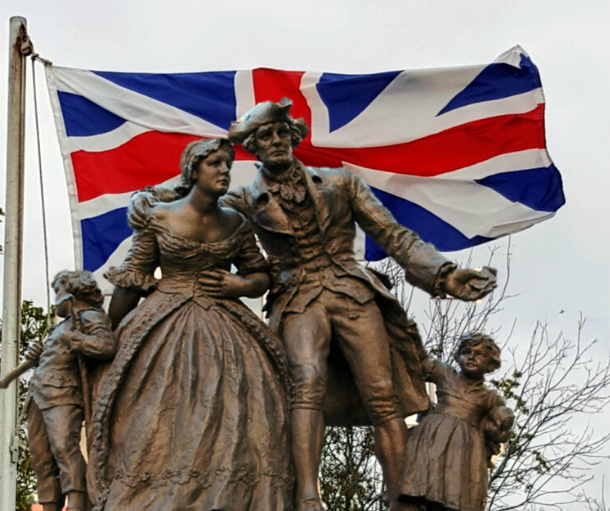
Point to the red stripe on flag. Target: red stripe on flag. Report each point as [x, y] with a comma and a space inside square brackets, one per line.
[145, 160]
[442, 152]
[153, 157]
[273, 85]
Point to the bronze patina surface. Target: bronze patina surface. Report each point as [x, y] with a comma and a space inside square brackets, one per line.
[352, 354]
[193, 411]
[63, 388]
[323, 301]
[449, 451]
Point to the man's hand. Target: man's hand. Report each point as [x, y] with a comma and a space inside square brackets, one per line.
[492, 428]
[223, 284]
[143, 201]
[139, 209]
[496, 432]
[470, 285]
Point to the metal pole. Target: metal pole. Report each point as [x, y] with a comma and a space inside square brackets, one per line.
[11, 310]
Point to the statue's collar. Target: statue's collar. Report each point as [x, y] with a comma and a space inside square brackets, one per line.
[294, 173]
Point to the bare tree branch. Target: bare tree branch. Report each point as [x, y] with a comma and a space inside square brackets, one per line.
[551, 381]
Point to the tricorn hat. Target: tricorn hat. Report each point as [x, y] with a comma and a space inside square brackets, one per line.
[264, 113]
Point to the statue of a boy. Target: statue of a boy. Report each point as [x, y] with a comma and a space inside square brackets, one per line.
[58, 395]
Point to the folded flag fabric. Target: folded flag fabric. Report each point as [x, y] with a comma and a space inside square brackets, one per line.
[457, 154]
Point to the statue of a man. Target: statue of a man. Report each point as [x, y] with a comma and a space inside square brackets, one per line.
[305, 219]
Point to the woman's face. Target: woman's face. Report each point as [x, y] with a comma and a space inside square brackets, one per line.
[213, 173]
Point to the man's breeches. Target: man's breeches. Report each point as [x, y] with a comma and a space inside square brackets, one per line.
[54, 438]
[360, 331]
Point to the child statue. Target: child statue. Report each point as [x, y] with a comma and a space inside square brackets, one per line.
[59, 395]
[449, 451]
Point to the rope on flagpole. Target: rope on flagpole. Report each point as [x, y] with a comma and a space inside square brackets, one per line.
[42, 194]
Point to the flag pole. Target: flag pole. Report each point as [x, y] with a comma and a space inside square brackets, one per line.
[11, 310]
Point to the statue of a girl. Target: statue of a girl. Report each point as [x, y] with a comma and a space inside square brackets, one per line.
[447, 453]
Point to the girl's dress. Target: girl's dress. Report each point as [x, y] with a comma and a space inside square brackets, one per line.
[192, 413]
[445, 458]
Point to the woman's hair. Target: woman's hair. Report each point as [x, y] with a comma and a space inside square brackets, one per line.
[192, 155]
[80, 284]
[480, 339]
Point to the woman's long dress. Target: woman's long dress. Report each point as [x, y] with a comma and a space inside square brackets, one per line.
[446, 461]
[192, 414]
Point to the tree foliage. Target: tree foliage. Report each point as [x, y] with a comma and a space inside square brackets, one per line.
[35, 324]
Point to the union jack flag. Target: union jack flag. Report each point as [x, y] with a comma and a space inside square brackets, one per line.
[457, 154]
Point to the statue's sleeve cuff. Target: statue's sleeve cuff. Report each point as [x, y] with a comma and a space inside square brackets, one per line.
[439, 283]
[130, 278]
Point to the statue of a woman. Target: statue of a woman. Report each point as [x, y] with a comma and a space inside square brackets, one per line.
[192, 412]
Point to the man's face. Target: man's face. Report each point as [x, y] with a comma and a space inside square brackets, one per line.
[273, 145]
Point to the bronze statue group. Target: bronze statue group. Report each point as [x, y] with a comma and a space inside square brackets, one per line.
[192, 403]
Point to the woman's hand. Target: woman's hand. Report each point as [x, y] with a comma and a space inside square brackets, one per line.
[224, 284]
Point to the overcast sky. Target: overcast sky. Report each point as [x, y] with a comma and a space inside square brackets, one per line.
[559, 268]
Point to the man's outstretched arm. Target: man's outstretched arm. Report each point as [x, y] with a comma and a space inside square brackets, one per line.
[424, 266]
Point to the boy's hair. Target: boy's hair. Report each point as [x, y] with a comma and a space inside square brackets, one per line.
[478, 339]
[81, 285]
